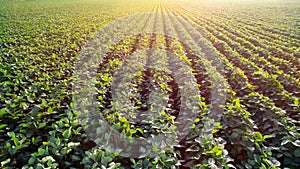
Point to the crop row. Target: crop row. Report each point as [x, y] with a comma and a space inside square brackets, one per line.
[245, 59]
[289, 53]
[249, 95]
[39, 48]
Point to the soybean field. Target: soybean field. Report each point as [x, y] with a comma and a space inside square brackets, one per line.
[150, 84]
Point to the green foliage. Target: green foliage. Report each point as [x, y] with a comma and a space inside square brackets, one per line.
[257, 70]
